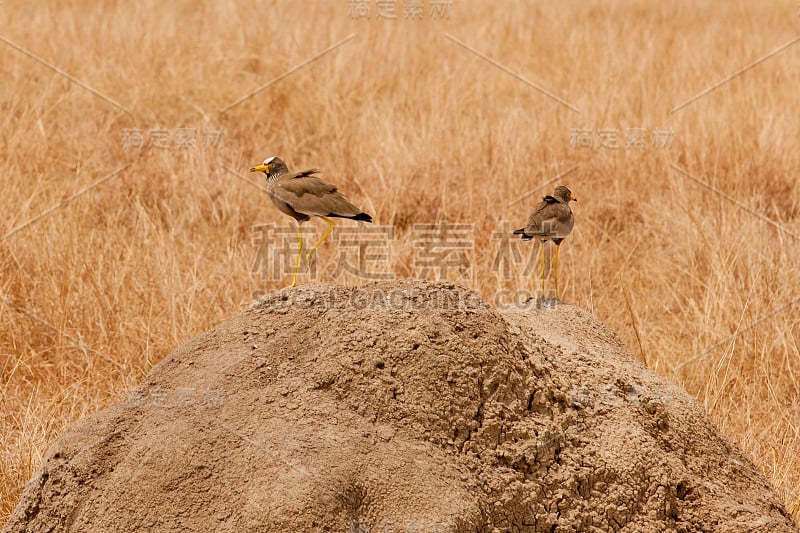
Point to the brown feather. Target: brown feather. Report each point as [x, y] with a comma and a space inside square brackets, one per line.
[309, 196]
[551, 218]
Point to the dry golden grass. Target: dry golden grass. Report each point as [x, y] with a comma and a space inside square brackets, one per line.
[415, 129]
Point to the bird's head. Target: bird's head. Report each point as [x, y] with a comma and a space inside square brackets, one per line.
[563, 194]
[272, 167]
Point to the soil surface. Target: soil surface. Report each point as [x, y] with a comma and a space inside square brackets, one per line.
[400, 406]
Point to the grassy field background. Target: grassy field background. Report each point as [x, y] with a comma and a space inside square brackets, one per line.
[689, 249]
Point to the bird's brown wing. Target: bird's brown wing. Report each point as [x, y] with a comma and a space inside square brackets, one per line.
[549, 219]
[310, 195]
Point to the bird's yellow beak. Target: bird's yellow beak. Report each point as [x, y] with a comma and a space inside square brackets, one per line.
[260, 168]
[572, 198]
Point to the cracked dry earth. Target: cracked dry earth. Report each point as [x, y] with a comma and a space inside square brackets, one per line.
[402, 406]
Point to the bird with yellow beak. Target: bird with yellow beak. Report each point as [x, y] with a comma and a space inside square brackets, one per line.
[550, 220]
[302, 195]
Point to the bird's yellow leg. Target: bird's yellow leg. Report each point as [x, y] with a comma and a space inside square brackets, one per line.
[555, 269]
[542, 255]
[299, 252]
[331, 225]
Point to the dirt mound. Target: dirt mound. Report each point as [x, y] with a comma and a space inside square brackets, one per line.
[405, 406]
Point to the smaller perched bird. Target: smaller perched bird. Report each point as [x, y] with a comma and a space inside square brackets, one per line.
[550, 220]
[303, 195]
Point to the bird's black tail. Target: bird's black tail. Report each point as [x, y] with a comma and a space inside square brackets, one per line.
[521, 231]
[361, 216]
